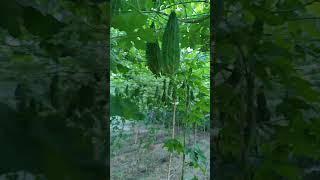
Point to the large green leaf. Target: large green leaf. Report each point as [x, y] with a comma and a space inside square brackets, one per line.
[10, 17]
[128, 22]
[124, 107]
[174, 145]
[43, 25]
[314, 8]
[302, 88]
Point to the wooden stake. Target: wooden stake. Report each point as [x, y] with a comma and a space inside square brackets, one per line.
[173, 134]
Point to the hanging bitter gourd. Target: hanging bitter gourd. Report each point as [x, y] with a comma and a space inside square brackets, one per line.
[164, 94]
[53, 91]
[153, 55]
[156, 94]
[170, 63]
[127, 90]
[21, 97]
[86, 95]
[170, 87]
[191, 95]
[187, 95]
[170, 46]
[173, 95]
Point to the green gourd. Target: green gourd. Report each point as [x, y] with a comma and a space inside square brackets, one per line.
[153, 56]
[170, 47]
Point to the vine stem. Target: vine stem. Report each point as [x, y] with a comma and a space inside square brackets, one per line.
[183, 3]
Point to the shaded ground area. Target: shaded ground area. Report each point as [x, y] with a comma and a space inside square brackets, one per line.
[147, 159]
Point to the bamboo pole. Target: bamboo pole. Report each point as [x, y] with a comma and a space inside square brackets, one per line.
[173, 134]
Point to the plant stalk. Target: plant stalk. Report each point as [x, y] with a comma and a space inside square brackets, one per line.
[136, 134]
[184, 134]
[173, 134]
[183, 155]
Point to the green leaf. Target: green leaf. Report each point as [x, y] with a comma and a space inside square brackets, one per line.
[173, 145]
[312, 28]
[302, 88]
[289, 171]
[128, 22]
[194, 178]
[248, 16]
[122, 69]
[10, 14]
[314, 8]
[147, 35]
[124, 107]
[270, 18]
[43, 25]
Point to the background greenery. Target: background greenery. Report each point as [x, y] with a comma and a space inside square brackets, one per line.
[53, 89]
[266, 90]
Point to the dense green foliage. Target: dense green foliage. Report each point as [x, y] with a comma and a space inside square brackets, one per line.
[266, 90]
[128, 45]
[53, 88]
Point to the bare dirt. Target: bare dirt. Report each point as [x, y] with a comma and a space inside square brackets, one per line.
[148, 160]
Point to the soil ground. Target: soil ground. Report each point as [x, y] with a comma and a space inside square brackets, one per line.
[149, 161]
